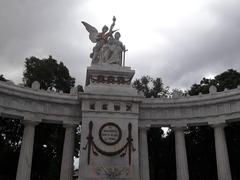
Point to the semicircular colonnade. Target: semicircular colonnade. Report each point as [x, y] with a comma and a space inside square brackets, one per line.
[34, 105]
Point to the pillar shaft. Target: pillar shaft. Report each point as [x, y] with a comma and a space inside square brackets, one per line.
[143, 148]
[223, 166]
[181, 155]
[26, 152]
[68, 154]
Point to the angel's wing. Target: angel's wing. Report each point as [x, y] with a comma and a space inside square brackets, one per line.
[93, 32]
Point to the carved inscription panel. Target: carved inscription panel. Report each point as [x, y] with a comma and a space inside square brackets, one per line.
[110, 133]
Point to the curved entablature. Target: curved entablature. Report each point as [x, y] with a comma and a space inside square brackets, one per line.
[39, 105]
[216, 107]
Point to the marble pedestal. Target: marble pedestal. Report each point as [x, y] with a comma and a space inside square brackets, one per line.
[109, 138]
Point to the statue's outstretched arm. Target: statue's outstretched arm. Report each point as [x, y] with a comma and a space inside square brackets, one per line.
[113, 24]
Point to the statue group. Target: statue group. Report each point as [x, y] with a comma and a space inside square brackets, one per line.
[108, 49]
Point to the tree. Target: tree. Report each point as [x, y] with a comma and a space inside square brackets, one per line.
[233, 143]
[200, 140]
[161, 151]
[47, 152]
[2, 78]
[151, 87]
[48, 137]
[48, 73]
[10, 141]
[201, 153]
[229, 79]
[177, 92]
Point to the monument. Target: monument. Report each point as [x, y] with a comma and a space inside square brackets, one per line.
[115, 118]
[110, 107]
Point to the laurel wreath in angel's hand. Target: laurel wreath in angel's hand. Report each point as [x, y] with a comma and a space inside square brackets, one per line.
[93, 32]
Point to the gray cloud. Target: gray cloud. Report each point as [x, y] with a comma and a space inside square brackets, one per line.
[202, 52]
[38, 28]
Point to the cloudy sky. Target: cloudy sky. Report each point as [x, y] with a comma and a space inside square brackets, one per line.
[180, 41]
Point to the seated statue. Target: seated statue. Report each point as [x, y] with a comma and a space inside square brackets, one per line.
[108, 49]
[116, 48]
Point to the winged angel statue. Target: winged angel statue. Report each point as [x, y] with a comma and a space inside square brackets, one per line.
[108, 48]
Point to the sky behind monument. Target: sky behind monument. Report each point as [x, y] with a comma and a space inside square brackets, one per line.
[179, 41]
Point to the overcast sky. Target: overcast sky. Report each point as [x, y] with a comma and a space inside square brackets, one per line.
[180, 41]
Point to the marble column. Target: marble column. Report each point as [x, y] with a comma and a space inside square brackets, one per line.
[223, 166]
[68, 153]
[143, 152]
[26, 152]
[181, 155]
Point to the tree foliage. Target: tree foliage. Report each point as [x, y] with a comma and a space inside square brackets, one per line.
[200, 140]
[48, 137]
[48, 147]
[151, 87]
[10, 142]
[201, 153]
[161, 151]
[233, 142]
[2, 78]
[229, 79]
[49, 73]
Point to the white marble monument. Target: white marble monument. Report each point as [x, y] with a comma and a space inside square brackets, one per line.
[110, 106]
[115, 118]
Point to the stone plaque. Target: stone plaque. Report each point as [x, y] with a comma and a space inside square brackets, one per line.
[110, 133]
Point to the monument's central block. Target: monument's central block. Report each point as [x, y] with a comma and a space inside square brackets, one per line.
[110, 74]
[110, 109]
[110, 79]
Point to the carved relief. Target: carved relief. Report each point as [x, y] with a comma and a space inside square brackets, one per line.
[91, 146]
[109, 80]
[112, 172]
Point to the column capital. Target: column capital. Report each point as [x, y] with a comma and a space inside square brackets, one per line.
[30, 123]
[65, 125]
[178, 128]
[143, 128]
[215, 125]
[32, 117]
